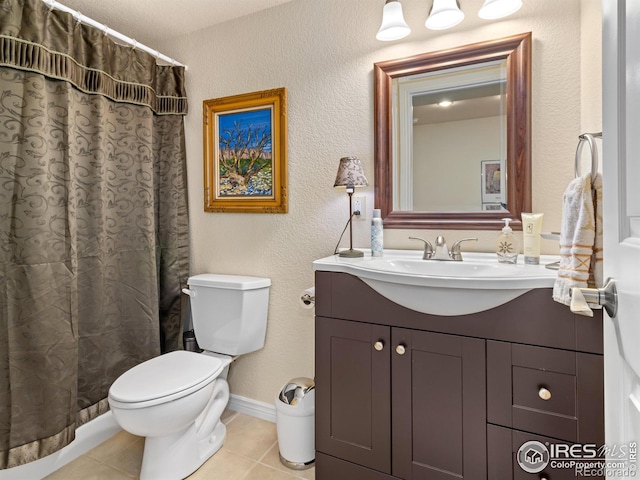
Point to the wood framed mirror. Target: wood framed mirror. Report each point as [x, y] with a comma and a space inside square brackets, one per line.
[447, 71]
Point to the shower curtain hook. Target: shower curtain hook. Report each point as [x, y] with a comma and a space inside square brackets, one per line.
[77, 16]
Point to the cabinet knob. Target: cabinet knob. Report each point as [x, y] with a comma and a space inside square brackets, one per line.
[544, 394]
[544, 477]
[401, 349]
[379, 345]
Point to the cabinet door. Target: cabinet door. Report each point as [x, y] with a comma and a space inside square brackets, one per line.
[353, 392]
[439, 406]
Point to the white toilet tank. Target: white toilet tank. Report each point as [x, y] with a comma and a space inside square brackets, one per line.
[229, 312]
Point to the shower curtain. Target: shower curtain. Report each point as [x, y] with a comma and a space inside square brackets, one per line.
[93, 221]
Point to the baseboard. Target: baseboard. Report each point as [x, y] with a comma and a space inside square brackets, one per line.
[89, 435]
[254, 408]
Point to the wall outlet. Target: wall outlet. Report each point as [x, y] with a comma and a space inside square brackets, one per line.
[359, 205]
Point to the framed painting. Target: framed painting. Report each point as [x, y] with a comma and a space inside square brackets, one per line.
[245, 153]
[491, 181]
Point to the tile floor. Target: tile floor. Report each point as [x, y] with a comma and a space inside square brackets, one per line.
[250, 452]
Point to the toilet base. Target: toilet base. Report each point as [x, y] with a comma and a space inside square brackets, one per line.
[173, 457]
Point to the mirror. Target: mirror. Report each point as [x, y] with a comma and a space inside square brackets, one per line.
[463, 167]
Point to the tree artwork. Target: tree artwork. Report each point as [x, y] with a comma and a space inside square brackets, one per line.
[245, 153]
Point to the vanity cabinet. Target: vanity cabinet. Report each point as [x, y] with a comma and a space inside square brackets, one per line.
[406, 395]
[435, 383]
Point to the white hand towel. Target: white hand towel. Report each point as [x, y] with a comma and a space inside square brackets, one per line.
[580, 253]
[597, 280]
[578, 303]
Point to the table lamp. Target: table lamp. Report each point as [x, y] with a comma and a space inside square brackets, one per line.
[350, 175]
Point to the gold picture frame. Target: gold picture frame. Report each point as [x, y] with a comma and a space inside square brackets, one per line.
[245, 153]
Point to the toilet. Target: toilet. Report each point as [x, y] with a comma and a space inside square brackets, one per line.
[175, 400]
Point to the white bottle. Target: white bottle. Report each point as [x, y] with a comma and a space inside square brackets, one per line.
[376, 233]
[507, 244]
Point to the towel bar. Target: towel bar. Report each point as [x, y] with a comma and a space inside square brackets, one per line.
[589, 138]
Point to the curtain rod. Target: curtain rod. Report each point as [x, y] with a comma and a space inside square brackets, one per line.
[112, 33]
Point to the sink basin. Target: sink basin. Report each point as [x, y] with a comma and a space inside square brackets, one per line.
[443, 269]
[476, 284]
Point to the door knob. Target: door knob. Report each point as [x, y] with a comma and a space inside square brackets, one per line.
[401, 349]
[379, 345]
[606, 296]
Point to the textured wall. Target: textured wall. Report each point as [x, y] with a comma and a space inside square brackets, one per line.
[323, 53]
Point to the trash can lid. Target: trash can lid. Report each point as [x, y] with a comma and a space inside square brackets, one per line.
[304, 382]
[296, 389]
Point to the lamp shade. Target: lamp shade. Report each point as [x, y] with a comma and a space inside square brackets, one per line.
[393, 26]
[444, 14]
[493, 9]
[350, 173]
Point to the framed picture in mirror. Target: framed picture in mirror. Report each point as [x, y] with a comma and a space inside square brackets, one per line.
[491, 181]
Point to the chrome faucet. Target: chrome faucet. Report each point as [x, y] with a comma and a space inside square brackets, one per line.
[441, 252]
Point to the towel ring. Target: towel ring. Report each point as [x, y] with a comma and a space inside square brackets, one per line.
[587, 137]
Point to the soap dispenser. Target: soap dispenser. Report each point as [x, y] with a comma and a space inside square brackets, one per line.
[507, 244]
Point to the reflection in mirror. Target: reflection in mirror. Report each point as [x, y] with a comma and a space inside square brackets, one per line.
[455, 117]
[452, 136]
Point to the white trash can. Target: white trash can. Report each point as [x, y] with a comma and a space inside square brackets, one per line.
[295, 417]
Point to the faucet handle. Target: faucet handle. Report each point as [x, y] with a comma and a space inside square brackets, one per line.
[428, 248]
[456, 254]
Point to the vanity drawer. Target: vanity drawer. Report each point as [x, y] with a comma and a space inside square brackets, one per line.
[547, 391]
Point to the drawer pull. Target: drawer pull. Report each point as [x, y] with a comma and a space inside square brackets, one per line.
[544, 394]
[401, 349]
[379, 345]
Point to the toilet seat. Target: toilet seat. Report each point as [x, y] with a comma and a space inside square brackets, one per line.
[163, 379]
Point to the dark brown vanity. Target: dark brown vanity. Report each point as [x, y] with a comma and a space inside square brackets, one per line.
[408, 395]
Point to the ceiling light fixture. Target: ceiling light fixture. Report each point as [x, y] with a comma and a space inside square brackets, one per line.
[445, 103]
[493, 9]
[444, 14]
[393, 26]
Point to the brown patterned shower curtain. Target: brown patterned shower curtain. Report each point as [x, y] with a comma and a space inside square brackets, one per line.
[93, 221]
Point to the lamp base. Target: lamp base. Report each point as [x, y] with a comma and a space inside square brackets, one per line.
[351, 253]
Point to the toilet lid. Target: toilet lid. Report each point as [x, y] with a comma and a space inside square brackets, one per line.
[165, 375]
